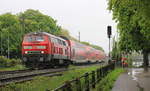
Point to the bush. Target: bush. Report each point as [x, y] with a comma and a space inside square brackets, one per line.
[106, 84]
[5, 62]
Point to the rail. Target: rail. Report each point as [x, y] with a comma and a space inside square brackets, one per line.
[19, 76]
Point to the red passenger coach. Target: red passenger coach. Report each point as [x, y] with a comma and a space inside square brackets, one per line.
[80, 53]
[41, 49]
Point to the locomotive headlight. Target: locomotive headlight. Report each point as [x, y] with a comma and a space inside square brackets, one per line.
[26, 52]
[27, 47]
[41, 47]
[42, 52]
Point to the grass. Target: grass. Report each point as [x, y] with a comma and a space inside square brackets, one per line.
[43, 83]
[7, 64]
[16, 67]
[106, 84]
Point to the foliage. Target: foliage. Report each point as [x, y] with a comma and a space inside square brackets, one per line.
[107, 83]
[97, 47]
[133, 21]
[86, 43]
[129, 16]
[5, 62]
[13, 27]
[15, 67]
[33, 20]
[92, 45]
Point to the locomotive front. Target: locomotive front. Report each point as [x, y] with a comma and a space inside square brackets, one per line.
[35, 49]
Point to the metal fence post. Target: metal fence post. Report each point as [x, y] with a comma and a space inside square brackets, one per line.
[78, 84]
[93, 79]
[113, 66]
[109, 68]
[98, 77]
[63, 89]
[99, 73]
[87, 82]
[67, 86]
[103, 72]
[106, 70]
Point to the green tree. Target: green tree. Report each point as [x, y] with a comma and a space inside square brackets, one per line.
[13, 28]
[33, 20]
[9, 26]
[133, 21]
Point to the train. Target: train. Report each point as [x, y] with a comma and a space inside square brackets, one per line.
[42, 49]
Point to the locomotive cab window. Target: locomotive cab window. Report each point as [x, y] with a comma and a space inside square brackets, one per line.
[34, 38]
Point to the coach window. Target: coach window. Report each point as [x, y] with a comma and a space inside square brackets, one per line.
[64, 43]
[61, 42]
[55, 40]
[52, 39]
[49, 38]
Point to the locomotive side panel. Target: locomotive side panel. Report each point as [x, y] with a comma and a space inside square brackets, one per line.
[59, 48]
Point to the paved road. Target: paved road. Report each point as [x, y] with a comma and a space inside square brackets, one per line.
[135, 79]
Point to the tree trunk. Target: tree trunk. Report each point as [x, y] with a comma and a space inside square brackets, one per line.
[145, 60]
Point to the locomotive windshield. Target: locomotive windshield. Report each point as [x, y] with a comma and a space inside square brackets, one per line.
[32, 38]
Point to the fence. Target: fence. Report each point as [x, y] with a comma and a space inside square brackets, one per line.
[87, 81]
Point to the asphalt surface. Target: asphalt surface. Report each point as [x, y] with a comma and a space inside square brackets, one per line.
[135, 79]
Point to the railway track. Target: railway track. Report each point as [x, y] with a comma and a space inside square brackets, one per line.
[7, 77]
[14, 71]
[25, 75]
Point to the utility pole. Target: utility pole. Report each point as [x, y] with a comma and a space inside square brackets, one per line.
[109, 36]
[8, 46]
[79, 36]
[1, 43]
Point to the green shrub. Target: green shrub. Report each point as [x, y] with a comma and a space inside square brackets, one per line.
[5, 62]
[106, 84]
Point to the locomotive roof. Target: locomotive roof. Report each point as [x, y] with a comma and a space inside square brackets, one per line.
[45, 33]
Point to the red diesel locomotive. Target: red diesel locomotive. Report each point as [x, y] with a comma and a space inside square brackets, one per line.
[41, 49]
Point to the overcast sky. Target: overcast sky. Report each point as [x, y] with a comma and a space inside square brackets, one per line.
[90, 17]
